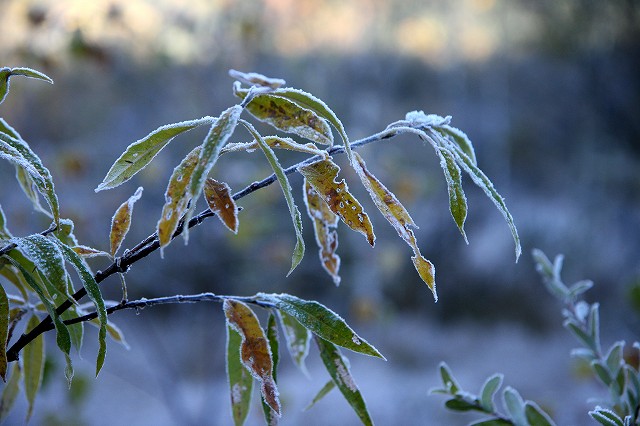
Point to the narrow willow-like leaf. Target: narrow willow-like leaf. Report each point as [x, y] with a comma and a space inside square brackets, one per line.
[6, 73]
[270, 416]
[5, 234]
[255, 79]
[514, 404]
[93, 291]
[328, 387]
[297, 338]
[288, 116]
[4, 332]
[254, 350]
[10, 392]
[176, 197]
[322, 175]
[33, 364]
[76, 331]
[88, 252]
[30, 189]
[606, 417]
[8, 271]
[113, 331]
[322, 321]
[298, 251]
[457, 199]
[535, 415]
[398, 217]
[489, 388]
[121, 222]
[218, 197]
[140, 153]
[460, 139]
[324, 224]
[240, 380]
[341, 376]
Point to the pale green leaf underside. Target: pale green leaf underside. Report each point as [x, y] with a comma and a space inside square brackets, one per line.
[240, 380]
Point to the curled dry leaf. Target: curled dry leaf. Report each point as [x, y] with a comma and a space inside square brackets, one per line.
[398, 217]
[322, 176]
[121, 221]
[254, 350]
[218, 196]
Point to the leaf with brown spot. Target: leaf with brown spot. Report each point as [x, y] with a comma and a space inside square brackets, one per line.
[322, 175]
[218, 196]
[121, 221]
[254, 350]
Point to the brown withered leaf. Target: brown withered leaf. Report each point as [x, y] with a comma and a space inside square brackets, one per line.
[398, 217]
[218, 196]
[324, 224]
[121, 221]
[254, 350]
[322, 175]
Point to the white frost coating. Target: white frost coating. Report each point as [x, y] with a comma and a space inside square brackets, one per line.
[344, 376]
[419, 118]
[356, 340]
[236, 393]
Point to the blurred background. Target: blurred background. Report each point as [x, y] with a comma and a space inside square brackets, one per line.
[548, 91]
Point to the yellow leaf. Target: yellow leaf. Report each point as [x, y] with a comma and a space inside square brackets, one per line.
[121, 221]
[322, 176]
[218, 196]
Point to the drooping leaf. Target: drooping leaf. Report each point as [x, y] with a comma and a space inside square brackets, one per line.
[240, 380]
[297, 337]
[176, 197]
[4, 332]
[5, 234]
[339, 372]
[322, 176]
[254, 350]
[270, 416]
[121, 222]
[113, 331]
[33, 364]
[457, 199]
[535, 415]
[76, 331]
[298, 251]
[460, 139]
[218, 197]
[8, 271]
[320, 320]
[10, 392]
[255, 79]
[288, 116]
[140, 153]
[30, 189]
[324, 224]
[398, 217]
[328, 387]
[6, 73]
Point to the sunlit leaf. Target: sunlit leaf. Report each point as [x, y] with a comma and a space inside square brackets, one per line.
[341, 376]
[33, 364]
[218, 197]
[328, 387]
[298, 251]
[240, 380]
[288, 116]
[176, 197]
[398, 217]
[270, 416]
[6, 73]
[322, 176]
[254, 350]
[4, 332]
[457, 199]
[10, 391]
[140, 153]
[255, 79]
[121, 221]
[322, 321]
[297, 337]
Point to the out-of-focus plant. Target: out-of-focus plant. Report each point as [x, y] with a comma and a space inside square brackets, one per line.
[609, 367]
[38, 266]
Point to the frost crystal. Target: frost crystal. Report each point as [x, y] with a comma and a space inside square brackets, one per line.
[356, 340]
[419, 118]
[345, 377]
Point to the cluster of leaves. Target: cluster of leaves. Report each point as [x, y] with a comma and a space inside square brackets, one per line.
[621, 378]
[38, 265]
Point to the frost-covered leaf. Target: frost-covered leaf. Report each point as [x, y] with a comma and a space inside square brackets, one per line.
[297, 337]
[140, 153]
[398, 217]
[33, 364]
[341, 376]
[271, 417]
[276, 142]
[324, 224]
[8, 129]
[328, 387]
[593, 325]
[457, 199]
[254, 350]
[602, 372]
[218, 197]
[4, 332]
[5, 234]
[448, 381]
[606, 417]
[322, 176]
[514, 404]
[580, 287]
[298, 251]
[460, 139]
[240, 380]
[176, 197]
[88, 252]
[536, 416]
[613, 358]
[255, 79]
[320, 320]
[121, 221]
[6, 73]
[10, 391]
[30, 189]
[288, 116]
[489, 388]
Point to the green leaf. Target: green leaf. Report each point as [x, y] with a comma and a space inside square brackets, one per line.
[10, 392]
[321, 321]
[8, 271]
[30, 189]
[93, 291]
[297, 337]
[5, 234]
[602, 372]
[270, 416]
[6, 128]
[459, 404]
[492, 422]
[76, 331]
[447, 379]
[33, 364]
[296, 218]
[240, 380]
[489, 388]
[140, 153]
[6, 73]
[121, 222]
[593, 324]
[577, 331]
[514, 404]
[457, 199]
[328, 387]
[536, 416]
[4, 332]
[460, 139]
[613, 358]
[341, 376]
[606, 417]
